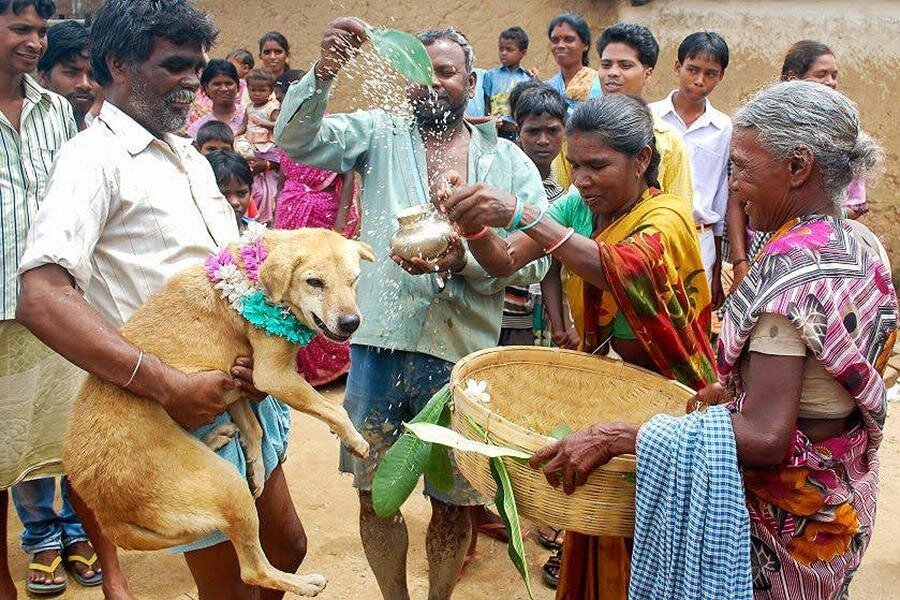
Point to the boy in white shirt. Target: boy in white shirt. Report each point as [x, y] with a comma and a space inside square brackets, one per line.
[701, 64]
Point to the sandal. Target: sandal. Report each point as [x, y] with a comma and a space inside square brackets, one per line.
[40, 588]
[551, 569]
[554, 540]
[92, 581]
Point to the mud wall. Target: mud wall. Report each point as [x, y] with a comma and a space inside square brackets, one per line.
[865, 35]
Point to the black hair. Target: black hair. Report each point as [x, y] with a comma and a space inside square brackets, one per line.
[260, 75]
[285, 80]
[636, 36]
[576, 22]
[227, 164]
[66, 41]
[704, 43]
[516, 34]
[242, 55]
[126, 29]
[218, 66]
[536, 100]
[277, 37]
[624, 123]
[213, 130]
[800, 58]
[519, 89]
[44, 8]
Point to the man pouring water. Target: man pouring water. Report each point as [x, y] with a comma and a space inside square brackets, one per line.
[415, 325]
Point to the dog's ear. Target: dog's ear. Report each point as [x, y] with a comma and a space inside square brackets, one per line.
[365, 251]
[277, 270]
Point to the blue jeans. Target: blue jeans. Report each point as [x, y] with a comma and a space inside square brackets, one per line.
[44, 528]
[386, 388]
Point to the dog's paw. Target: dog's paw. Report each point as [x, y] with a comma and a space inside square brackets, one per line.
[219, 437]
[256, 476]
[313, 583]
[359, 447]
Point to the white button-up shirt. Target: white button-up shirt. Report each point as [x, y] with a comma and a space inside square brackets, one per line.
[124, 211]
[707, 141]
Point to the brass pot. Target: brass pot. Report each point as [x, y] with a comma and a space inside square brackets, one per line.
[423, 233]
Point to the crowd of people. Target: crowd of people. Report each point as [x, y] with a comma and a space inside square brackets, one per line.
[588, 218]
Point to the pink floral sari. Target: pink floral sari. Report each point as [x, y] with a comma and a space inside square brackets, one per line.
[812, 518]
[311, 197]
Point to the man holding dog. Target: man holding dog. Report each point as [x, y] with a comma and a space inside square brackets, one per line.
[419, 318]
[130, 204]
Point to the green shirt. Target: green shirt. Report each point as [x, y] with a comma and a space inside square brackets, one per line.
[571, 211]
[402, 311]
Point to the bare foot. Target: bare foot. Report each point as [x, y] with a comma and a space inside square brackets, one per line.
[46, 558]
[115, 587]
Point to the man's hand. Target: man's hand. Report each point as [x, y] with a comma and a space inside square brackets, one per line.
[340, 44]
[242, 371]
[453, 260]
[196, 399]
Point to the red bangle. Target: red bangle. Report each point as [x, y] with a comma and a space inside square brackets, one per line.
[484, 231]
[562, 240]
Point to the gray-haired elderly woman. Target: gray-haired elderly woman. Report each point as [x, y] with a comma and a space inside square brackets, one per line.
[772, 495]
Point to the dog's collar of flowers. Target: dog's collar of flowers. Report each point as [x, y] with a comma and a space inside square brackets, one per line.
[242, 290]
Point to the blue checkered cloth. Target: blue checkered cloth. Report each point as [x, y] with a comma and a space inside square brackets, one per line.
[692, 529]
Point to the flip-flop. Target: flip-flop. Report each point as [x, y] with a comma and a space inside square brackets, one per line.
[548, 542]
[552, 568]
[93, 581]
[46, 589]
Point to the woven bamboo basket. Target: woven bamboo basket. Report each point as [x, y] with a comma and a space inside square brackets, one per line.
[534, 390]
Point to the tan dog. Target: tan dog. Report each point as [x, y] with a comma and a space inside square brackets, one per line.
[150, 483]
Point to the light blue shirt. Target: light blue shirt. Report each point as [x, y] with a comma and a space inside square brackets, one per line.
[557, 83]
[402, 311]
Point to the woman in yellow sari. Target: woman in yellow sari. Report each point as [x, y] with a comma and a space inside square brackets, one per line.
[636, 250]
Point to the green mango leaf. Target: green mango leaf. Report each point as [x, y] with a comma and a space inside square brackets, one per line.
[439, 469]
[403, 464]
[561, 431]
[506, 506]
[447, 437]
[405, 52]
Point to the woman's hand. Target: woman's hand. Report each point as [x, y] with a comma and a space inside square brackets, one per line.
[473, 207]
[711, 395]
[740, 270]
[571, 461]
[567, 338]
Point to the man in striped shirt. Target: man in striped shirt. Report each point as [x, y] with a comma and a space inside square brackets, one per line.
[34, 123]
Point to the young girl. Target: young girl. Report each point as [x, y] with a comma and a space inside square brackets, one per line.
[234, 180]
[261, 154]
[312, 197]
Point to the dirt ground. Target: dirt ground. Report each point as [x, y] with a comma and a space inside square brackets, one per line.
[327, 505]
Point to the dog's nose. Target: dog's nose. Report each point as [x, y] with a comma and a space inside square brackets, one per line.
[348, 324]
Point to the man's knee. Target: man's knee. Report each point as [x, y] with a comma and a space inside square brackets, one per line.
[290, 550]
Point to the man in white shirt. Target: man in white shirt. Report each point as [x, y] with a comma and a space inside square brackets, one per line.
[128, 205]
[701, 64]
